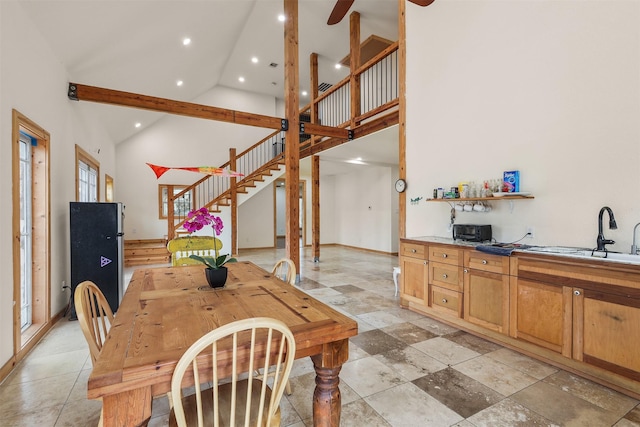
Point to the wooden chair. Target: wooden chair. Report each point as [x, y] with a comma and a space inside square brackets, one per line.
[182, 247]
[95, 318]
[285, 270]
[234, 402]
[94, 315]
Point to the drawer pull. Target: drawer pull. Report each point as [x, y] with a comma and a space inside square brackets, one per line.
[413, 251]
[484, 262]
[444, 300]
[444, 276]
[444, 255]
[466, 270]
[577, 293]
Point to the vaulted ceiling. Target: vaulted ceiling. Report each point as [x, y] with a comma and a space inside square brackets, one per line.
[137, 46]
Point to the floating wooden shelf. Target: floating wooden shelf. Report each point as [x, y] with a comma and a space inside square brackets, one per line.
[484, 199]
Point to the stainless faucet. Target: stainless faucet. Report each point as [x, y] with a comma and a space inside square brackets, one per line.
[612, 226]
[634, 247]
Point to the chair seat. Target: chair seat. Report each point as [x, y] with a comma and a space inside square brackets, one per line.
[191, 411]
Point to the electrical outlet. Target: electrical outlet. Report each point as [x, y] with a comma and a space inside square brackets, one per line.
[64, 285]
[531, 232]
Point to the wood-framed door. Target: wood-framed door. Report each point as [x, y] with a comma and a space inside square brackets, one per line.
[31, 233]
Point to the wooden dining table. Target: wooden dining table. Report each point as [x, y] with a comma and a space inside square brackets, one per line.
[165, 310]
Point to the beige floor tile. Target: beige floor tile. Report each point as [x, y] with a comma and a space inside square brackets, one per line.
[508, 413]
[563, 408]
[26, 397]
[359, 414]
[529, 366]
[445, 351]
[599, 395]
[43, 416]
[406, 405]
[368, 376]
[498, 376]
[43, 366]
[80, 413]
[380, 319]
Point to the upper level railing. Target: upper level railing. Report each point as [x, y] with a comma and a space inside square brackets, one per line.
[378, 89]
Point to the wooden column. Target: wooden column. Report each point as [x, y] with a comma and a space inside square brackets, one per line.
[315, 210]
[402, 118]
[354, 64]
[292, 147]
[234, 203]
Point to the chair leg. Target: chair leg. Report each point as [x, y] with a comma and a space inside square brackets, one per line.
[287, 388]
[396, 271]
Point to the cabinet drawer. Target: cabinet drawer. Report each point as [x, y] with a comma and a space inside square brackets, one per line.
[446, 300]
[445, 255]
[413, 250]
[445, 275]
[486, 262]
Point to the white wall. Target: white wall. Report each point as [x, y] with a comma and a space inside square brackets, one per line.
[180, 142]
[256, 220]
[364, 209]
[550, 88]
[33, 82]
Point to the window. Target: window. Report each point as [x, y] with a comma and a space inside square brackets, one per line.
[181, 206]
[87, 177]
[108, 188]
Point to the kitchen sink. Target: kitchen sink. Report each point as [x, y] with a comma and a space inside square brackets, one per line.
[586, 253]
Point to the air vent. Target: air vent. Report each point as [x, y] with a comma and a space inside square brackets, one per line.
[324, 86]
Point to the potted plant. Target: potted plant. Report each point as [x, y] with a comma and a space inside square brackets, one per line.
[215, 272]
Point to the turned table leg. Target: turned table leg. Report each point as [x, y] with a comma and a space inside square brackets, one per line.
[326, 396]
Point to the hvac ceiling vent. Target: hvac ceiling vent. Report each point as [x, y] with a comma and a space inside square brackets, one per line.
[324, 86]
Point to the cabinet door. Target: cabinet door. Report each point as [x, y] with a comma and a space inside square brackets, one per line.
[414, 274]
[607, 331]
[486, 299]
[541, 313]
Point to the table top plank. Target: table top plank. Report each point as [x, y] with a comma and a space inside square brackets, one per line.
[165, 310]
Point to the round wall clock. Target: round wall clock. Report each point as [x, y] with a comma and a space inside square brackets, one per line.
[401, 185]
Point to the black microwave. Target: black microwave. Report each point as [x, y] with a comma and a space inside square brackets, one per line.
[472, 233]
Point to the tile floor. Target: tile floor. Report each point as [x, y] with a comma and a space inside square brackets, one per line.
[404, 370]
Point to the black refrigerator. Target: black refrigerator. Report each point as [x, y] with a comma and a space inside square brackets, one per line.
[97, 249]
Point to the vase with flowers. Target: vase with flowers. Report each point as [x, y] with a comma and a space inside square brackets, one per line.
[216, 272]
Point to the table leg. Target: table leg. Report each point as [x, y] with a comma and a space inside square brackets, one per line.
[130, 408]
[326, 396]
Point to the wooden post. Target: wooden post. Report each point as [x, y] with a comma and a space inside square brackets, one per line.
[171, 232]
[292, 147]
[315, 210]
[354, 64]
[234, 203]
[402, 118]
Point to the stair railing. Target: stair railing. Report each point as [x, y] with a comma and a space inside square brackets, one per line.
[378, 94]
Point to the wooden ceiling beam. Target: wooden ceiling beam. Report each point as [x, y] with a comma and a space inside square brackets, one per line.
[360, 131]
[79, 92]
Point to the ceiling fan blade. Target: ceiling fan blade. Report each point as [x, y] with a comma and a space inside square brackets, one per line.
[422, 2]
[339, 11]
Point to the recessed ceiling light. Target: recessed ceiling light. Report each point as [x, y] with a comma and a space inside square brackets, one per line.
[254, 60]
[338, 66]
[281, 18]
[241, 79]
[138, 124]
[186, 41]
[304, 93]
[179, 83]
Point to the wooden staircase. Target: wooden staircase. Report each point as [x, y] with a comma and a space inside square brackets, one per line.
[145, 252]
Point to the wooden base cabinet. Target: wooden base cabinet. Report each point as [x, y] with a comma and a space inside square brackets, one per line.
[541, 313]
[606, 331]
[486, 299]
[414, 272]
